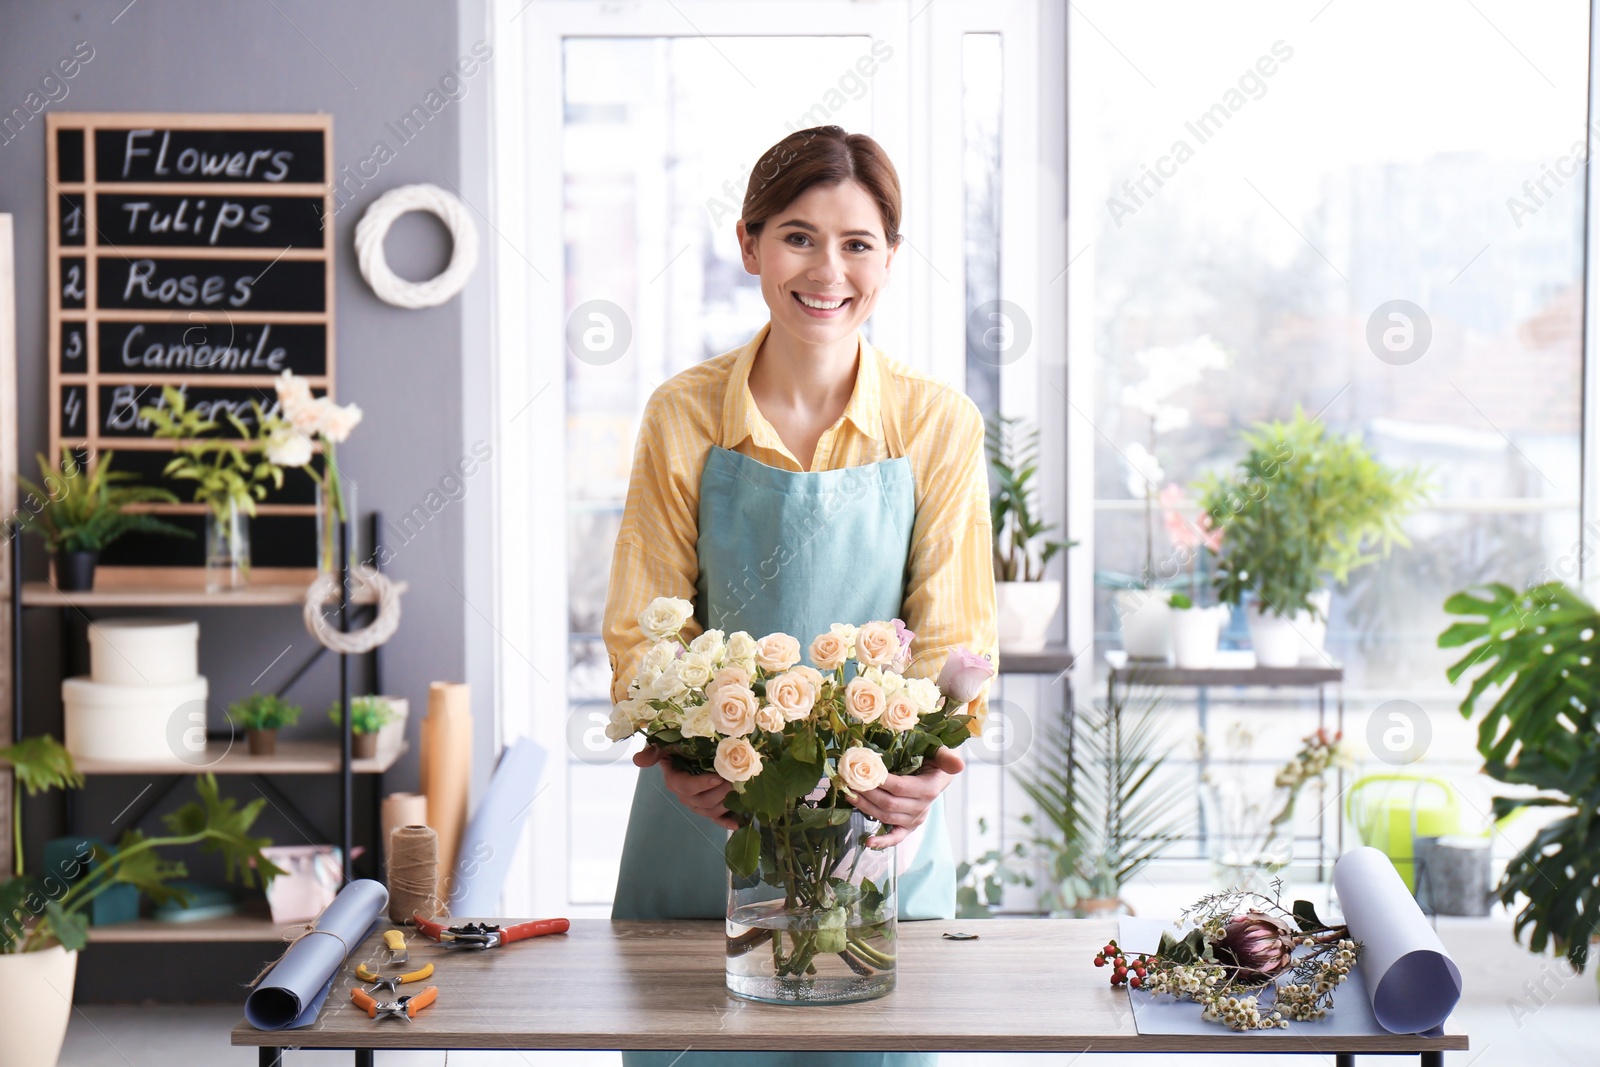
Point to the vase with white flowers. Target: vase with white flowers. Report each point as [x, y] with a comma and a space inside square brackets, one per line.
[1142, 607]
[309, 422]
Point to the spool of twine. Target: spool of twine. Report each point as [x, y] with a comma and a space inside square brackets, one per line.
[413, 868]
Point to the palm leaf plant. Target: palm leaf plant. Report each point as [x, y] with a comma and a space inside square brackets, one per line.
[1537, 651]
[36, 913]
[1105, 811]
[84, 509]
[37, 764]
[1013, 510]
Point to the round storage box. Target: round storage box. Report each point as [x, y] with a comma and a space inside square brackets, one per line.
[135, 722]
[144, 651]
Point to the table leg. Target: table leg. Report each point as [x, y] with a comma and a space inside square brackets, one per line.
[1344, 1059]
[364, 1057]
[270, 1057]
[1432, 1059]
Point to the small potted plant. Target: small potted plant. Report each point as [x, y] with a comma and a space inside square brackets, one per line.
[46, 922]
[262, 715]
[1302, 508]
[1025, 600]
[368, 715]
[82, 511]
[1195, 630]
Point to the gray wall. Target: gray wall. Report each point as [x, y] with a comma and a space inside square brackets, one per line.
[367, 63]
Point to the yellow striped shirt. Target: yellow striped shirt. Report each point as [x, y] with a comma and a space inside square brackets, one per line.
[950, 599]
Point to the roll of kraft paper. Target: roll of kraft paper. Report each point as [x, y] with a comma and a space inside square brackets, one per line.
[403, 809]
[291, 993]
[496, 826]
[1411, 980]
[447, 769]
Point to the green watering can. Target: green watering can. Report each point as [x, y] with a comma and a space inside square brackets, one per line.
[1389, 810]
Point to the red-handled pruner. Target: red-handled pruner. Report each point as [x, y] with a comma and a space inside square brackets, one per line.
[486, 935]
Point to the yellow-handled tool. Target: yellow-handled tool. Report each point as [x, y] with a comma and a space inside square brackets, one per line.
[392, 982]
[397, 946]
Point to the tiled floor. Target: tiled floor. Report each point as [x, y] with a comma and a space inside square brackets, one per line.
[1518, 1009]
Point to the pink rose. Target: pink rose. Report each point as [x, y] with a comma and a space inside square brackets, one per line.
[728, 676]
[864, 700]
[733, 710]
[829, 651]
[964, 675]
[792, 694]
[769, 718]
[901, 713]
[903, 660]
[862, 769]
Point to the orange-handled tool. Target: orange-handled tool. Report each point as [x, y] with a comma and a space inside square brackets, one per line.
[488, 935]
[391, 982]
[405, 1008]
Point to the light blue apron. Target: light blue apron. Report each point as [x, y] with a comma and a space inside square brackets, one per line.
[791, 552]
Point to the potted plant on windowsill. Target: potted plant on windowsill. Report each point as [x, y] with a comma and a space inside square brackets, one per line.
[1301, 509]
[261, 716]
[1104, 810]
[81, 512]
[1025, 599]
[368, 715]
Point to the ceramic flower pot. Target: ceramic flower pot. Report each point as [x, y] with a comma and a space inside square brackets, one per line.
[262, 742]
[1275, 638]
[1023, 613]
[363, 746]
[1195, 633]
[36, 988]
[1144, 615]
[75, 571]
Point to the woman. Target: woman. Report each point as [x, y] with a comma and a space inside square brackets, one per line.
[802, 480]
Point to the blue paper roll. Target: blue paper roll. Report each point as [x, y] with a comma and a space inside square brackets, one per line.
[291, 994]
[492, 834]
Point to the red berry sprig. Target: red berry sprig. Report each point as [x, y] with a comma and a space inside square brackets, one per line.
[1126, 972]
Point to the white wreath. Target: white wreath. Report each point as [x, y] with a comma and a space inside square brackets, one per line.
[374, 227]
[319, 622]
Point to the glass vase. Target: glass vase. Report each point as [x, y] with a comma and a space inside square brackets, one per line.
[328, 527]
[816, 923]
[1249, 832]
[227, 547]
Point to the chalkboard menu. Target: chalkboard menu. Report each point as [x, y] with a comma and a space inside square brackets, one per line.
[187, 250]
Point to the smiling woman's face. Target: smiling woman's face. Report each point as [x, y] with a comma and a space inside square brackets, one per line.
[823, 260]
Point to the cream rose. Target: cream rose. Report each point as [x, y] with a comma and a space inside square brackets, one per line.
[733, 710]
[769, 717]
[737, 760]
[697, 722]
[621, 724]
[639, 711]
[727, 676]
[710, 644]
[847, 633]
[665, 616]
[863, 699]
[336, 421]
[900, 714]
[877, 644]
[694, 669]
[657, 659]
[812, 675]
[924, 694]
[792, 694]
[741, 651]
[862, 769]
[288, 447]
[667, 686]
[777, 652]
[829, 651]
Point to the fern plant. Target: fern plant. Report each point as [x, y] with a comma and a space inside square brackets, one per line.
[1020, 550]
[1538, 651]
[84, 510]
[1105, 811]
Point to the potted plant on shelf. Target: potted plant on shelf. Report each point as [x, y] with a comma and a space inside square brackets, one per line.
[368, 715]
[1302, 508]
[1104, 809]
[1196, 630]
[43, 924]
[262, 715]
[1140, 603]
[1536, 651]
[81, 511]
[230, 475]
[1025, 600]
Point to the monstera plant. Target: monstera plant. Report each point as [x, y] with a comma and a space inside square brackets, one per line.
[1539, 650]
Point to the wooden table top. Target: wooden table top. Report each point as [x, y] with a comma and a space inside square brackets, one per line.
[1026, 985]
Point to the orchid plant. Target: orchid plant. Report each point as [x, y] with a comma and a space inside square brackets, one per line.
[308, 421]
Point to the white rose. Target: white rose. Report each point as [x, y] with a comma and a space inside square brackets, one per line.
[667, 686]
[639, 712]
[694, 669]
[336, 421]
[892, 683]
[737, 760]
[900, 715]
[924, 693]
[292, 389]
[288, 447]
[697, 722]
[710, 644]
[621, 724]
[847, 634]
[733, 710]
[742, 651]
[658, 658]
[665, 616]
[862, 769]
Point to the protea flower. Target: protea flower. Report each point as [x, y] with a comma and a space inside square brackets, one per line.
[1261, 946]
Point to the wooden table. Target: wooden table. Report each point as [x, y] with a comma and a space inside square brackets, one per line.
[1026, 985]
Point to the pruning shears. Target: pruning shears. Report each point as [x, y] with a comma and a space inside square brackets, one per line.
[392, 982]
[405, 1008]
[488, 935]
